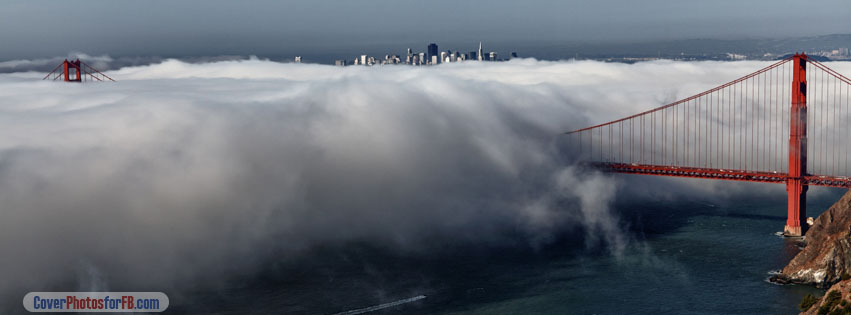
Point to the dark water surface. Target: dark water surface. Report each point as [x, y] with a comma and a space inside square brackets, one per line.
[685, 258]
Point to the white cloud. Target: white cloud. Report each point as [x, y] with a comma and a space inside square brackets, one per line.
[179, 170]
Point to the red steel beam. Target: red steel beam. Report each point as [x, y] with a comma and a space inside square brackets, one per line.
[722, 174]
[796, 186]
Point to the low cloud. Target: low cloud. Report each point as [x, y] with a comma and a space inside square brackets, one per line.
[182, 171]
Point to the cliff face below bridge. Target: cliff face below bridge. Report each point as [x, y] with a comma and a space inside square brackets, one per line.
[835, 301]
[827, 254]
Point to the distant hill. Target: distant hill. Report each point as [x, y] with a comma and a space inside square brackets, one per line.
[687, 49]
[814, 57]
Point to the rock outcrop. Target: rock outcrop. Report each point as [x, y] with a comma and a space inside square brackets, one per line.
[827, 254]
[837, 300]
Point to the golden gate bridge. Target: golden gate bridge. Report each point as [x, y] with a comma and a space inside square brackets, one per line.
[783, 124]
[76, 71]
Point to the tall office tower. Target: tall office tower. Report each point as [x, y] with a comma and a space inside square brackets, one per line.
[480, 53]
[410, 52]
[432, 51]
[362, 59]
[443, 56]
[340, 63]
[492, 56]
[434, 59]
[473, 56]
[423, 59]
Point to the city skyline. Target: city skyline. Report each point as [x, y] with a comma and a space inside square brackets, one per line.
[431, 56]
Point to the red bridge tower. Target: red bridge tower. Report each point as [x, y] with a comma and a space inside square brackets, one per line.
[69, 66]
[795, 184]
[76, 71]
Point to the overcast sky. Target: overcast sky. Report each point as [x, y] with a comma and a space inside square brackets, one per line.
[31, 28]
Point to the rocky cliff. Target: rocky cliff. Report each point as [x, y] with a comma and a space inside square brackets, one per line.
[827, 254]
[837, 300]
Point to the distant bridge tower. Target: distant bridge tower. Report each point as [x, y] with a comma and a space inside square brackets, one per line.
[76, 71]
[72, 71]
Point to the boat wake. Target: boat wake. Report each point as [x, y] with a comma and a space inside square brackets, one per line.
[382, 306]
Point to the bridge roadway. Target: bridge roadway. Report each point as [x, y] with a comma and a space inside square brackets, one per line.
[724, 174]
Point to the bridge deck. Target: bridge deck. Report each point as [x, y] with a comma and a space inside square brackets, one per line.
[725, 174]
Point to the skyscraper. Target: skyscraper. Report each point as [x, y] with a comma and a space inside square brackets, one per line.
[432, 51]
[480, 53]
